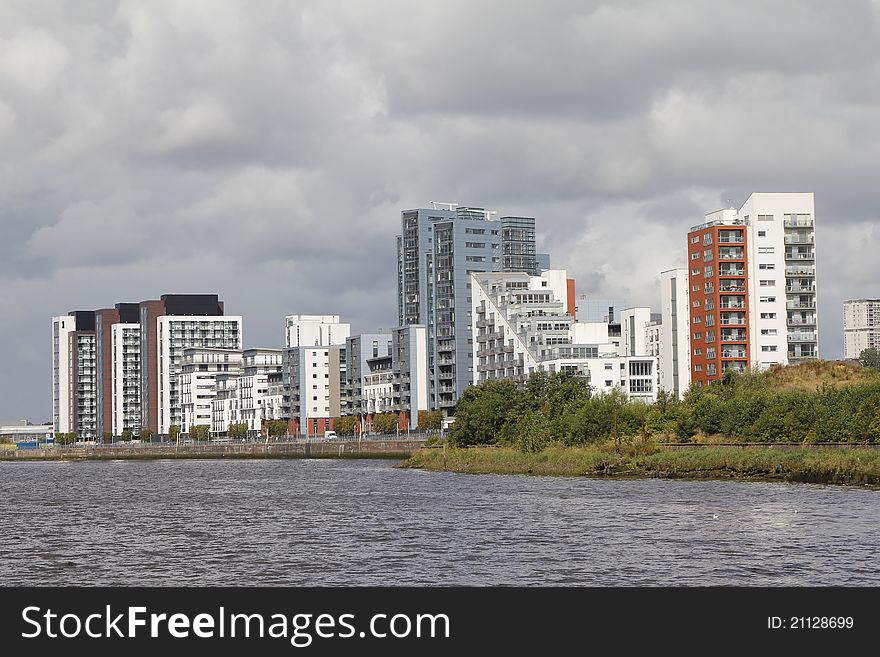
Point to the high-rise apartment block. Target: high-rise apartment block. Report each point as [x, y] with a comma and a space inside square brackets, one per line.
[861, 326]
[752, 277]
[437, 251]
[74, 374]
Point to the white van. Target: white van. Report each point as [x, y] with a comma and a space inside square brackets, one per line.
[330, 435]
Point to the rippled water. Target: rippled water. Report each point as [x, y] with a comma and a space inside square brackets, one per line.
[329, 522]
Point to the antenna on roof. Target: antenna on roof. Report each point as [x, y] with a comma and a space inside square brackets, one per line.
[438, 205]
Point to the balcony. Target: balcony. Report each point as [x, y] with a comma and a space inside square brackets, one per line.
[800, 305]
[806, 289]
[801, 321]
[802, 337]
[731, 272]
[799, 239]
[732, 254]
[733, 336]
[733, 353]
[731, 306]
[794, 270]
[798, 223]
[792, 255]
[731, 288]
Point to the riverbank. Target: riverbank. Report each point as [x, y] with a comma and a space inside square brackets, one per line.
[853, 466]
[367, 449]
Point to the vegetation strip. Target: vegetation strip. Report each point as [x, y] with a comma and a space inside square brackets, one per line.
[855, 466]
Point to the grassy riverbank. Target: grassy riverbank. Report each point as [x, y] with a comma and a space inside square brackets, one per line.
[808, 464]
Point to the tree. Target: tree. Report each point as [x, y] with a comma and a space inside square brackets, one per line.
[345, 425]
[430, 420]
[65, 438]
[276, 428]
[237, 430]
[174, 432]
[126, 434]
[385, 423]
[484, 409]
[870, 358]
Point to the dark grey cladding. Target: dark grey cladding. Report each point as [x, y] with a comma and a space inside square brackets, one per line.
[192, 304]
[85, 319]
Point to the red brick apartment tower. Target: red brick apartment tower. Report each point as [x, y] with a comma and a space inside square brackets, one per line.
[719, 297]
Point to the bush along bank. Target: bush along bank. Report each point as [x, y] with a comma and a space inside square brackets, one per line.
[854, 466]
[811, 403]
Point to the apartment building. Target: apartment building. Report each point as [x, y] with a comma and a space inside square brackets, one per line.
[168, 326]
[861, 326]
[197, 386]
[523, 324]
[74, 377]
[437, 250]
[105, 368]
[674, 356]
[387, 373]
[125, 362]
[313, 372]
[752, 276]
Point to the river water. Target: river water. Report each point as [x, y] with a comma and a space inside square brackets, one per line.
[346, 522]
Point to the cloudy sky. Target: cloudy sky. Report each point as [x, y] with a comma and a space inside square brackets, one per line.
[264, 150]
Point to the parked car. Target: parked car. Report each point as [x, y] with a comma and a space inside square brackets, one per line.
[330, 435]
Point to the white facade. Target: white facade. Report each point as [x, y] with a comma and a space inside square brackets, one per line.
[125, 385]
[176, 333]
[198, 383]
[633, 331]
[520, 327]
[62, 326]
[255, 404]
[782, 277]
[315, 330]
[675, 361]
[861, 326]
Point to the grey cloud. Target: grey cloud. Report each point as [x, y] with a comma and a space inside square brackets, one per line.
[265, 150]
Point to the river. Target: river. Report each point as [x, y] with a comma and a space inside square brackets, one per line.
[363, 522]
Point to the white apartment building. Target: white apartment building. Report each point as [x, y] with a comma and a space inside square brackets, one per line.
[175, 334]
[675, 362]
[315, 330]
[861, 326]
[781, 248]
[261, 369]
[62, 327]
[313, 371]
[198, 382]
[521, 326]
[126, 365]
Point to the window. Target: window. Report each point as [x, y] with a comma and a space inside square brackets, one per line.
[698, 352]
[696, 320]
[698, 336]
[768, 347]
[768, 299]
[314, 376]
[695, 271]
[707, 271]
[766, 249]
[696, 303]
[475, 245]
[766, 265]
[608, 366]
[707, 254]
[765, 217]
[695, 255]
[768, 315]
[695, 239]
[698, 368]
[768, 331]
[768, 283]
[762, 233]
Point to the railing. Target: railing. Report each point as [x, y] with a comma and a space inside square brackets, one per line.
[730, 240]
[801, 322]
[799, 256]
[801, 337]
[799, 305]
[797, 223]
[733, 337]
[800, 288]
[731, 306]
[798, 239]
[731, 272]
[733, 354]
[732, 288]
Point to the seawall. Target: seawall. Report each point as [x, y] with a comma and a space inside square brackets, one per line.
[380, 449]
